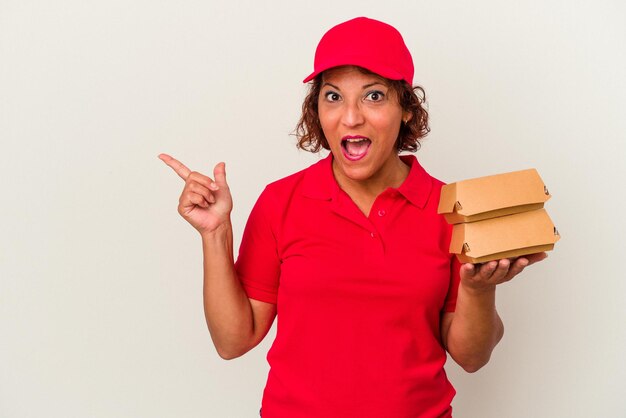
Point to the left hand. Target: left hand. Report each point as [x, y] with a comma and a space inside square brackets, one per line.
[485, 277]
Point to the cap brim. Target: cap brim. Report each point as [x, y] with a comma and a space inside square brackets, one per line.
[389, 73]
[310, 77]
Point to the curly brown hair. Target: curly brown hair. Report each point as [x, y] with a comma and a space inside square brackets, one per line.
[412, 99]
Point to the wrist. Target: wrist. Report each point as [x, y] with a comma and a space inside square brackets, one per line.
[478, 291]
[221, 230]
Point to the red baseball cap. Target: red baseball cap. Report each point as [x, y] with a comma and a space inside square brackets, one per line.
[367, 43]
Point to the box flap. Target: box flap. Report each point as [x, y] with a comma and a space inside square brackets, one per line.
[496, 195]
[447, 198]
[506, 233]
[458, 239]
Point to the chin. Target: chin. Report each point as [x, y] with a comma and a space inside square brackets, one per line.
[357, 173]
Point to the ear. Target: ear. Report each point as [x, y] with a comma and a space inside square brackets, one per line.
[406, 117]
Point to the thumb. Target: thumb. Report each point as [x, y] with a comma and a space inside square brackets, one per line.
[467, 270]
[219, 174]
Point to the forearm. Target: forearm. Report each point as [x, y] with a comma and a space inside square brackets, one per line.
[227, 308]
[476, 328]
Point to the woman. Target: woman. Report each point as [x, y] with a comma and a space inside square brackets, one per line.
[350, 251]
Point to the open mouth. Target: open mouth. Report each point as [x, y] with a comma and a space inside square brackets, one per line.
[355, 148]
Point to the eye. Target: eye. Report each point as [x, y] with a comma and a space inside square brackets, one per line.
[331, 96]
[375, 96]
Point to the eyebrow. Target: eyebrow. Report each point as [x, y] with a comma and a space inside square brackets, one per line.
[373, 84]
[364, 87]
[329, 84]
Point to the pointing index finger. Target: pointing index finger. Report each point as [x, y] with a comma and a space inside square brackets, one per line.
[180, 168]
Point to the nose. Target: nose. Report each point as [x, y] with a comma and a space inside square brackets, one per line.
[352, 114]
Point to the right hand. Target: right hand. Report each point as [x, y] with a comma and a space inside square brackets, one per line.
[204, 203]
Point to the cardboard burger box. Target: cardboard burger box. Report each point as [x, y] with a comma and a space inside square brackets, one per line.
[499, 216]
[492, 196]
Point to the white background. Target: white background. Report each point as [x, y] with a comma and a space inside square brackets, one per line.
[100, 279]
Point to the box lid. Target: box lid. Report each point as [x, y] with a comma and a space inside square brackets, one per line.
[497, 195]
[502, 234]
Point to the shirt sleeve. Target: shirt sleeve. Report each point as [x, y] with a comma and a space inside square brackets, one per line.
[453, 290]
[258, 264]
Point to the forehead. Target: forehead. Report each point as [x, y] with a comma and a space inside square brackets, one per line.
[352, 73]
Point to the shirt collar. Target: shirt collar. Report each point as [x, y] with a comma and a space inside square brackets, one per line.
[319, 181]
[418, 184]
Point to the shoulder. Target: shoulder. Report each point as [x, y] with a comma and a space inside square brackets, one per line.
[317, 175]
[420, 187]
[279, 192]
[437, 185]
[287, 183]
[435, 182]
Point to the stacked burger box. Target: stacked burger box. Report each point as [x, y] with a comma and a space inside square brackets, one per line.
[499, 216]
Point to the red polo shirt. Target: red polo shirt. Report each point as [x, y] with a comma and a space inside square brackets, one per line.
[359, 298]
